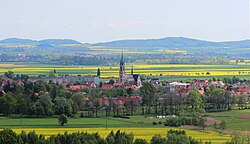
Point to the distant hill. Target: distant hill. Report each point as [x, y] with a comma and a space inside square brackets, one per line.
[17, 41]
[174, 42]
[48, 45]
[46, 41]
[58, 41]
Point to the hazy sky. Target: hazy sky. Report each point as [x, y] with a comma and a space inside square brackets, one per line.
[106, 20]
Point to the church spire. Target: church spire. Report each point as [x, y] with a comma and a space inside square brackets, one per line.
[132, 70]
[122, 70]
[122, 62]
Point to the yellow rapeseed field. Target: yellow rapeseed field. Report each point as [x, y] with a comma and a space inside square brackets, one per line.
[145, 133]
[147, 69]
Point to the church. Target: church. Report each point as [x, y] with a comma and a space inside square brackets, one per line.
[128, 79]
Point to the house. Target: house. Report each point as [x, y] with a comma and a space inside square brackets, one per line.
[131, 87]
[107, 86]
[117, 84]
[173, 84]
[90, 84]
[66, 79]
[76, 87]
[217, 83]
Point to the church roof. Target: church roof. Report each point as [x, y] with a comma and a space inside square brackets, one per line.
[135, 77]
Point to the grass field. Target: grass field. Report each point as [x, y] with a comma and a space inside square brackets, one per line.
[236, 120]
[140, 126]
[163, 70]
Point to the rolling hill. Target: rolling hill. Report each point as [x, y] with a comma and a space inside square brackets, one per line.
[174, 42]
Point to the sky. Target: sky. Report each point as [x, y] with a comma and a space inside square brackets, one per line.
[92, 21]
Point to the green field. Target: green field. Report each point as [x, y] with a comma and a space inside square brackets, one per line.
[236, 120]
[169, 71]
[140, 126]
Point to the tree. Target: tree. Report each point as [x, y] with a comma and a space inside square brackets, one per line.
[180, 137]
[7, 104]
[111, 81]
[222, 125]
[62, 106]
[140, 141]
[62, 119]
[78, 101]
[194, 99]
[147, 92]
[158, 139]
[98, 72]
[239, 139]
[21, 104]
[7, 136]
[202, 123]
[96, 104]
[9, 74]
[46, 103]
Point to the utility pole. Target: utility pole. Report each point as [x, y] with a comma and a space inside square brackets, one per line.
[21, 121]
[106, 118]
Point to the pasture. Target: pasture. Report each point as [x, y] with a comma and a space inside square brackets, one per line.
[159, 70]
[236, 120]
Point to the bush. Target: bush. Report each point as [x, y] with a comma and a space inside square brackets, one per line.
[62, 119]
[178, 121]
[173, 122]
[7, 136]
[140, 141]
[180, 137]
[125, 117]
[81, 115]
[157, 139]
[154, 123]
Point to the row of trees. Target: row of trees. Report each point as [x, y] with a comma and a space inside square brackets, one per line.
[8, 136]
[47, 99]
[213, 99]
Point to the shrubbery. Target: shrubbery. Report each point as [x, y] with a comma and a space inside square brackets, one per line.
[178, 121]
[8, 136]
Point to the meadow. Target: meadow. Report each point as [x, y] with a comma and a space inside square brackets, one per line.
[160, 70]
[237, 120]
[140, 126]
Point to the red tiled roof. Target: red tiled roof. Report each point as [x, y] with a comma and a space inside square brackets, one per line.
[118, 102]
[89, 83]
[104, 99]
[244, 89]
[131, 86]
[107, 86]
[117, 84]
[76, 87]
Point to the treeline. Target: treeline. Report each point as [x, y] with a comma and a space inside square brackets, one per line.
[186, 60]
[156, 101]
[110, 59]
[47, 99]
[7, 136]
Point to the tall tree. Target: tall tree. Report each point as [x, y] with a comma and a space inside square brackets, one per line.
[7, 104]
[147, 92]
[98, 72]
[195, 100]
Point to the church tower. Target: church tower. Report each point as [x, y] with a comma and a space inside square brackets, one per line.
[122, 70]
